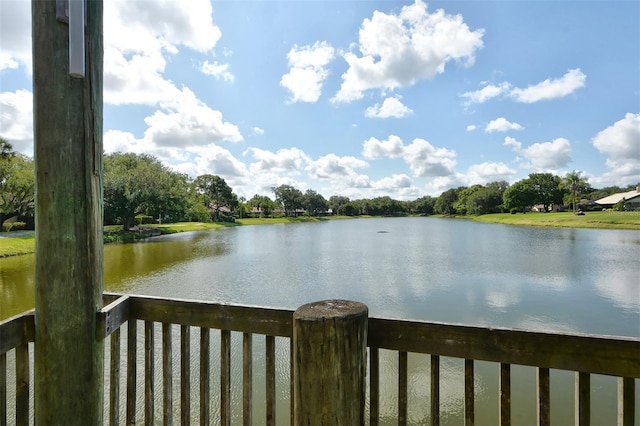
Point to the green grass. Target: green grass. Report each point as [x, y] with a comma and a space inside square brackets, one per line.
[19, 244]
[600, 220]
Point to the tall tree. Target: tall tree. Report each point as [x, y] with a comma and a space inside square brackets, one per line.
[546, 187]
[314, 203]
[215, 192]
[575, 184]
[445, 202]
[262, 203]
[289, 198]
[133, 185]
[17, 186]
[519, 196]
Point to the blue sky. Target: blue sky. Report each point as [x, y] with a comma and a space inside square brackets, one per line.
[359, 98]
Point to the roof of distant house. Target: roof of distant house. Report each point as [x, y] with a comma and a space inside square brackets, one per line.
[616, 198]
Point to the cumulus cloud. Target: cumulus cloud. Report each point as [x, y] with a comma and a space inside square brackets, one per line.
[391, 107]
[545, 156]
[620, 142]
[284, 160]
[15, 41]
[551, 88]
[471, 127]
[219, 71]
[424, 159]
[258, 131]
[332, 166]
[307, 71]
[399, 50]
[488, 172]
[501, 124]
[16, 119]
[546, 90]
[489, 91]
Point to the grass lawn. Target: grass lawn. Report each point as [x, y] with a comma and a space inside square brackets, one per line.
[601, 219]
[18, 244]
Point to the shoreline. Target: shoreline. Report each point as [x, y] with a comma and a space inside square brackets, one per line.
[23, 242]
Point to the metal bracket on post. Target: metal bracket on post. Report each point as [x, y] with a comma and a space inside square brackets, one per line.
[73, 13]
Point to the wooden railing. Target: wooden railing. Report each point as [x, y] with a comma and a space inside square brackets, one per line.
[583, 354]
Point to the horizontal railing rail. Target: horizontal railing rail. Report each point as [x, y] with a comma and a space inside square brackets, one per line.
[581, 353]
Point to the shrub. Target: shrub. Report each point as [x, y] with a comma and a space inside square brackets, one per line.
[142, 219]
[514, 210]
[13, 226]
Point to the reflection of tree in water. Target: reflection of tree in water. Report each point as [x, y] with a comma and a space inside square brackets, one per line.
[126, 262]
[17, 285]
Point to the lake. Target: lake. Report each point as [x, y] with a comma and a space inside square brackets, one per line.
[451, 270]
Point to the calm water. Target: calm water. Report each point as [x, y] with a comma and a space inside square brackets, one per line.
[576, 280]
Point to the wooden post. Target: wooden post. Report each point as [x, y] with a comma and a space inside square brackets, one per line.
[330, 353]
[68, 157]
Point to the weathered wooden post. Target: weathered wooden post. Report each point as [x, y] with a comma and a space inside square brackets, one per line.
[67, 99]
[329, 363]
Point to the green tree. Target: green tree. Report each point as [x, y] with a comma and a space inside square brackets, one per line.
[134, 185]
[575, 184]
[460, 205]
[424, 205]
[445, 202]
[265, 204]
[519, 196]
[546, 188]
[17, 185]
[215, 193]
[289, 198]
[337, 201]
[483, 201]
[314, 203]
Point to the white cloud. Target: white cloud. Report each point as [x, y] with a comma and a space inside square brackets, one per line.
[489, 91]
[219, 71]
[391, 107]
[258, 131]
[545, 156]
[307, 71]
[16, 119]
[284, 160]
[471, 127]
[501, 124]
[399, 50]
[488, 172]
[332, 166]
[15, 34]
[551, 89]
[424, 159]
[391, 148]
[621, 143]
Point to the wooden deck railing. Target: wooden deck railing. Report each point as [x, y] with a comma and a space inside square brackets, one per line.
[583, 354]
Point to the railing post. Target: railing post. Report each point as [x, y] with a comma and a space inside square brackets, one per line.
[329, 363]
[67, 124]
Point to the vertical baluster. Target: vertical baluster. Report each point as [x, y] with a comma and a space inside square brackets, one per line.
[435, 390]
[114, 379]
[543, 397]
[185, 375]
[225, 377]
[626, 401]
[469, 393]
[402, 388]
[3, 389]
[583, 399]
[22, 384]
[247, 379]
[205, 374]
[291, 383]
[148, 374]
[167, 375]
[271, 379]
[505, 394]
[132, 343]
[374, 386]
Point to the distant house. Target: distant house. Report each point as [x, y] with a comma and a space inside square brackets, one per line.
[631, 198]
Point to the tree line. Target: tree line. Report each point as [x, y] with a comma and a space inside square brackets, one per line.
[138, 188]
